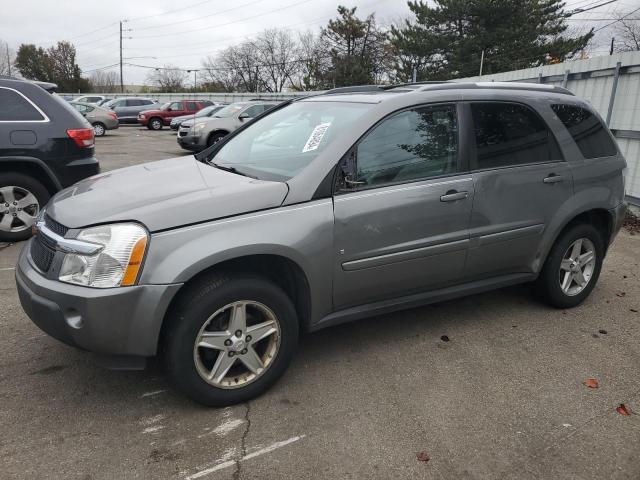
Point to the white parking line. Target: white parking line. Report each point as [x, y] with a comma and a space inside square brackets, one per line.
[152, 394]
[7, 269]
[229, 463]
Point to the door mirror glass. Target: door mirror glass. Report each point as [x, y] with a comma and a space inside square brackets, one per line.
[243, 116]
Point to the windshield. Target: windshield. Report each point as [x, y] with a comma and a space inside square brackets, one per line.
[229, 110]
[206, 111]
[280, 145]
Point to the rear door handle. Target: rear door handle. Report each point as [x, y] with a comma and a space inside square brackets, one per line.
[553, 178]
[453, 195]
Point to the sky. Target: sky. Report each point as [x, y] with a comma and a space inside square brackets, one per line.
[160, 32]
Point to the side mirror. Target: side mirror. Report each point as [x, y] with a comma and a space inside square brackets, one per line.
[169, 109]
[243, 115]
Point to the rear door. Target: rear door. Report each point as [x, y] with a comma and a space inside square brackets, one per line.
[520, 182]
[402, 208]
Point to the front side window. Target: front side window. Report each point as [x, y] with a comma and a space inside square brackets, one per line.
[281, 144]
[191, 106]
[587, 131]
[410, 145]
[254, 110]
[14, 107]
[509, 134]
[175, 106]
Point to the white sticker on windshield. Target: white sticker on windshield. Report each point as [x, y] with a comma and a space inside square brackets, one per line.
[316, 137]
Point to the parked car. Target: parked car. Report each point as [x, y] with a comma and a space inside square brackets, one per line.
[203, 133]
[91, 99]
[155, 119]
[324, 210]
[101, 119]
[103, 101]
[128, 108]
[206, 112]
[45, 145]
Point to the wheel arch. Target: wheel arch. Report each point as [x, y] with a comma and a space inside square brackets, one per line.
[217, 130]
[33, 167]
[281, 270]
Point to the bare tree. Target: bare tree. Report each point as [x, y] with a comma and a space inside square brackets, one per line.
[627, 32]
[278, 55]
[6, 59]
[105, 81]
[215, 73]
[168, 78]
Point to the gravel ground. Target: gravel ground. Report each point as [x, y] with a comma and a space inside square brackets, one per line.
[489, 386]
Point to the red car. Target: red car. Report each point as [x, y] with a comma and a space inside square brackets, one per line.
[155, 119]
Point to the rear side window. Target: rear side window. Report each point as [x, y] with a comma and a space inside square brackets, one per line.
[510, 134]
[192, 106]
[409, 146]
[14, 107]
[587, 131]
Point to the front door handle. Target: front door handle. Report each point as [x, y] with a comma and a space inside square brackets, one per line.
[453, 195]
[553, 178]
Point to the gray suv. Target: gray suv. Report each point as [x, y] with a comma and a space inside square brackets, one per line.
[128, 108]
[204, 132]
[325, 210]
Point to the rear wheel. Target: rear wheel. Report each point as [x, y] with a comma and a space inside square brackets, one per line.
[572, 267]
[99, 129]
[21, 198]
[228, 339]
[155, 123]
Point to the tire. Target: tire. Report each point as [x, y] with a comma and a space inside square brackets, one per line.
[193, 311]
[15, 187]
[99, 129]
[215, 138]
[155, 123]
[548, 285]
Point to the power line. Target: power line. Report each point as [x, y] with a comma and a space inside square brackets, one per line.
[200, 17]
[583, 10]
[618, 20]
[93, 31]
[181, 9]
[225, 24]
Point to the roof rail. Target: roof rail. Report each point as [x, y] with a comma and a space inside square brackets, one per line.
[539, 87]
[49, 87]
[356, 89]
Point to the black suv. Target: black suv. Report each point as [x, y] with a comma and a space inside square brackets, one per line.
[45, 145]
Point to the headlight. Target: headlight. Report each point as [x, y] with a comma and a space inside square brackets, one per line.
[199, 126]
[116, 264]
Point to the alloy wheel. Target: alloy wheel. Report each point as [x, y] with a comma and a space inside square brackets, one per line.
[577, 266]
[237, 344]
[18, 208]
[98, 130]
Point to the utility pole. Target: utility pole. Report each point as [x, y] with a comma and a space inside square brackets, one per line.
[256, 79]
[481, 62]
[8, 60]
[611, 49]
[121, 80]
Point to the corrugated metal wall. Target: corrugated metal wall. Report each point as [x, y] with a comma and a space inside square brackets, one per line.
[593, 80]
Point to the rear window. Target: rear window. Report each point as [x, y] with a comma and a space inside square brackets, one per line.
[509, 134]
[587, 131]
[15, 108]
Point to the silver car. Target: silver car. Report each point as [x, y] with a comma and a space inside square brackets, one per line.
[203, 133]
[128, 108]
[101, 119]
[326, 210]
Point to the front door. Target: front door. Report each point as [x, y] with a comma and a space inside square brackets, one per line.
[402, 209]
[521, 182]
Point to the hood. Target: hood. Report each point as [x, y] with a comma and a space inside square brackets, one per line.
[190, 121]
[164, 194]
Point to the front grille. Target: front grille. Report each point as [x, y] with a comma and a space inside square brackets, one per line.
[183, 133]
[41, 254]
[54, 226]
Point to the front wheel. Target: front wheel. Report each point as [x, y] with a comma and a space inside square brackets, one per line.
[215, 138]
[21, 198]
[572, 267]
[155, 124]
[228, 339]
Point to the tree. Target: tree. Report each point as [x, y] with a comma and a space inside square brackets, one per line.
[357, 49]
[313, 64]
[105, 81]
[56, 64]
[627, 32]
[278, 55]
[446, 40]
[6, 59]
[168, 78]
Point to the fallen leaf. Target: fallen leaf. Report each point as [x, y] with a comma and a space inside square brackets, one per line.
[633, 310]
[422, 456]
[603, 332]
[621, 294]
[591, 383]
[444, 338]
[623, 410]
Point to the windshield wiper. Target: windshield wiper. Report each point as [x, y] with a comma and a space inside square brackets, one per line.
[231, 169]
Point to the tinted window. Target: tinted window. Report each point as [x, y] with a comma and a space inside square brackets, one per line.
[14, 107]
[118, 103]
[176, 106]
[145, 102]
[192, 106]
[410, 145]
[587, 131]
[511, 134]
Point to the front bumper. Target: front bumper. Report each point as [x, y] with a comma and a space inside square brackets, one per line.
[190, 142]
[617, 215]
[121, 322]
